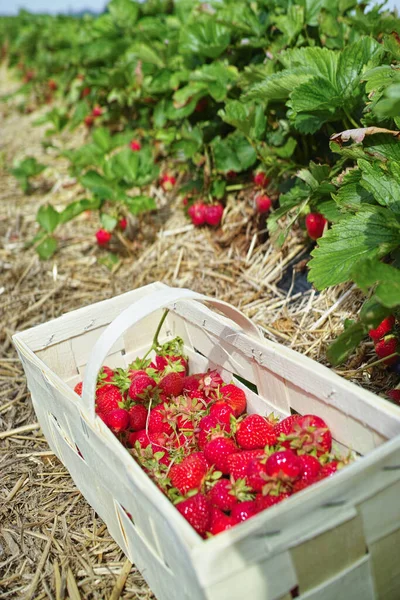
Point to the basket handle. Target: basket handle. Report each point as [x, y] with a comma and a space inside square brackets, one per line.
[134, 314]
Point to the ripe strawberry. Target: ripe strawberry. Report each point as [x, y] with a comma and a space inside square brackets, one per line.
[167, 182]
[185, 201]
[235, 397]
[213, 214]
[97, 111]
[106, 374]
[191, 382]
[231, 174]
[103, 417]
[103, 237]
[171, 363]
[132, 373]
[315, 224]
[393, 395]
[78, 388]
[89, 120]
[222, 411]
[329, 469]
[197, 213]
[85, 92]
[256, 473]
[135, 145]
[385, 347]
[255, 432]
[309, 434]
[222, 495]
[260, 179]
[302, 484]
[138, 417]
[197, 512]
[220, 522]
[263, 203]
[263, 502]
[285, 426]
[243, 511]
[122, 224]
[383, 328]
[171, 384]
[158, 420]
[140, 387]
[108, 398]
[201, 105]
[217, 451]
[118, 420]
[52, 85]
[189, 474]
[284, 465]
[311, 467]
[142, 437]
[210, 383]
[238, 462]
[210, 428]
[184, 425]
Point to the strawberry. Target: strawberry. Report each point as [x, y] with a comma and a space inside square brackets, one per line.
[309, 434]
[263, 502]
[197, 512]
[122, 224]
[302, 484]
[171, 384]
[231, 175]
[118, 420]
[222, 411]
[106, 374]
[103, 417]
[255, 432]
[285, 426]
[235, 397]
[222, 496]
[191, 382]
[108, 398]
[97, 111]
[201, 105]
[170, 363]
[315, 224]
[158, 420]
[284, 465]
[385, 347]
[197, 213]
[103, 237]
[132, 373]
[185, 201]
[89, 120]
[329, 469]
[138, 417]
[210, 428]
[220, 522]
[263, 203]
[52, 85]
[256, 473]
[260, 179]
[238, 462]
[217, 451]
[189, 474]
[78, 388]
[167, 182]
[140, 387]
[243, 511]
[383, 328]
[392, 394]
[184, 425]
[135, 145]
[142, 437]
[213, 214]
[210, 383]
[85, 92]
[311, 467]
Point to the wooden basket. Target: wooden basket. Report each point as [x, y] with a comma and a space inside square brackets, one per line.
[339, 539]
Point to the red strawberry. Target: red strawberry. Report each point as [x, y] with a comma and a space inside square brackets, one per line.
[311, 467]
[329, 469]
[158, 421]
[191, 382]
[135, 145]
[385, 347]
[184, 425]
[89, 120]
[263, 203]
[140, 387]
[52, 85]
[263, 502]
[122, 224]
[260, 179]
[197, 512]
[284, 465]
[139, 436]
[210, 428]
[217, 451]
[167, 182]
[222, 495]
[231, 174]
[118, 420]
[197, 213]
[222, 411]
[97, 111]
[383, 328]
[78, 388]
[285, 426]
[310, 433]
[103, 417]
[244, 510]
[201, 105]
[85, 92]
[256, 473]
[255, 432]
[213, 214]
[185, 201]
[302, 484]
[189, 474]
[132, 374]
[392, 394]
[106, 375]
[315, 224]
[238, 462]
[138, 417]
[103, 237]
[108, 398]
[176, 364]
[210, 383]
[220, 522]
[235, 397]
[171, 384]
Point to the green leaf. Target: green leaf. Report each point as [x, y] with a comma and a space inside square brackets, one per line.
[108, 222]
[79, 206]
[102, 138]
[279, 85]
[353, 61]
[234, 153]
[139, 204]
[48, 218]
[372, 232]
[315, 95]
[313, 10]
[344, 345]
[291, 23]
[81, 111]
[97, 184]
[247, 118]
[123, 12]
[47, 247]
[383, 182]
[386, 278]
[205, 38]
[218, 79]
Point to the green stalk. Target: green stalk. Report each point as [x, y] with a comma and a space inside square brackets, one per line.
[350, 118]
[155, 343]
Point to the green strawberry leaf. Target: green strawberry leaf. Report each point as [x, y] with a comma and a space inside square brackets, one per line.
[204, 38]
[47, 247]
[371, 273]
[48, 218]
[346, 343]
[383, 181]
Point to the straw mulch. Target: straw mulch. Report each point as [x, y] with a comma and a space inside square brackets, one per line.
[52, 544]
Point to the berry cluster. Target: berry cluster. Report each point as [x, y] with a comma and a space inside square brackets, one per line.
[385, 341]
[193, 437]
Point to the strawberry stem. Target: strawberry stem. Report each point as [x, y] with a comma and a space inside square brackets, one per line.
[155, 345]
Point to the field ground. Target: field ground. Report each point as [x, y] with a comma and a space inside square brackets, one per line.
[52, 544]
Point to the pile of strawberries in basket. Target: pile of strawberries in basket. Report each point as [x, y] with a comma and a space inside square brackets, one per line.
[193, 437]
